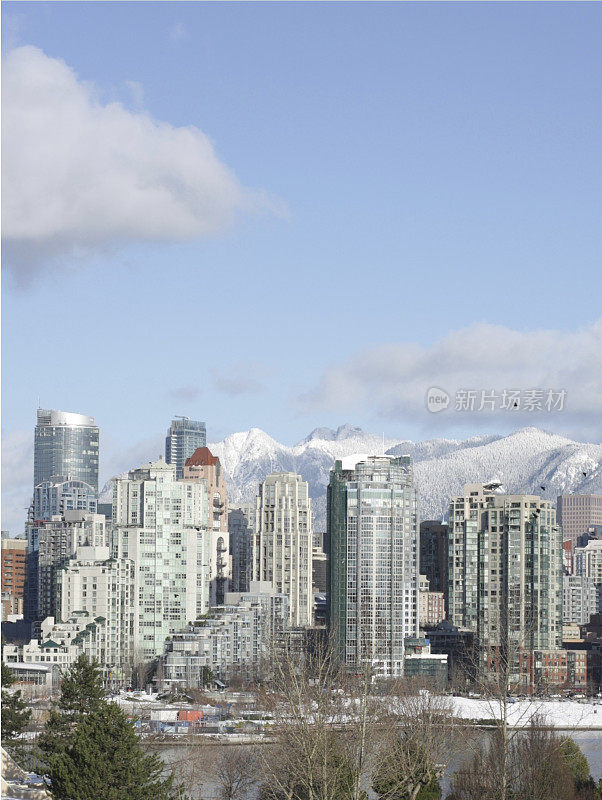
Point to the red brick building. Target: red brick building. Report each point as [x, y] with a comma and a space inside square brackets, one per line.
[13, 554]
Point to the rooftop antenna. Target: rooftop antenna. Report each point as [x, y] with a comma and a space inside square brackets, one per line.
[383, 443]
[38, 401]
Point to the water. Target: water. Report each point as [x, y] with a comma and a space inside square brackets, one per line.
[590, 743]
[190, 763]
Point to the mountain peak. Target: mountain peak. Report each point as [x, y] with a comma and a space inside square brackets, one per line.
[345, 431]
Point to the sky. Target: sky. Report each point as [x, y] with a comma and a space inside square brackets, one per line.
[292, 215]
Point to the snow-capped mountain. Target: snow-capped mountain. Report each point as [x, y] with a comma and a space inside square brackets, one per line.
[523, 461]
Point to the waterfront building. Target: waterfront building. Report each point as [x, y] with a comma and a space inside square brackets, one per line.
[505, 565]
[373, 561]
[61, 643]
[103, 587]
[236, 640]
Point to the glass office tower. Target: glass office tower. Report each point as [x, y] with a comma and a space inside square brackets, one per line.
[65, 446]
[183, 438]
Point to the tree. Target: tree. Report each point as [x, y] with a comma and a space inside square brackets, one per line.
[320, 729]
[236, 774]
[103, 758]
[575, 761]
[416, 753]
[82, 692]
[90, 749]
[534, 765]
[207, 676]
[82, 689]
[15, 714]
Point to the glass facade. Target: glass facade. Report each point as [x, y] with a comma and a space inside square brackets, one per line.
[183, 438]
[373, 582]
[65, 447]
[505, 570]
[50, 499]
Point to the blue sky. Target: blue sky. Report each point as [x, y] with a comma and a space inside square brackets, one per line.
[397, 186]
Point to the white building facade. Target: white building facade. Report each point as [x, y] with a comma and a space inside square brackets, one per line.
[282, 542]
[236, 640]
[161, 525]
[101, 586]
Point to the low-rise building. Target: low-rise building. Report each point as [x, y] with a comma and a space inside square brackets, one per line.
[61, 643]
[431, 605]
[14, 553]
[235, 640]
[422, 664]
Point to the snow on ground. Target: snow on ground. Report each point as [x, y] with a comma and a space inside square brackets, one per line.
[556, 713]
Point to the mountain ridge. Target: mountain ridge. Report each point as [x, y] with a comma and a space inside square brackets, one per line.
[523, 460]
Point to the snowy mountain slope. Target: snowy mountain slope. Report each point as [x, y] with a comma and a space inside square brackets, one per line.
[523, 461]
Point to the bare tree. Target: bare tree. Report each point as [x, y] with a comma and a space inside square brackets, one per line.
[417, 745]
[236, 773]
[321, 727]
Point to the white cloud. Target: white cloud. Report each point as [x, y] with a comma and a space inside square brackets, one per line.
[393, 379]
[80, 176]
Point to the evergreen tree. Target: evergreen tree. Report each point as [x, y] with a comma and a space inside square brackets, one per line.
[82, 689]
[103, 758]
[91, 750]
[575, 761]
[15, 714]
[82, 692]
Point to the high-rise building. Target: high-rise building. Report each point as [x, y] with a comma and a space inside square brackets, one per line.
[183, 438]
[101, 586]
[65, 448]
[14, 554]
[433, 554]
[161, 524]
[50, 544]
[373, 561]
[580, 599]
[587, 563]
[576, 512]
[204, 466]
[282, 542]
[240, 527]
[52, 498]
[505, 572]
